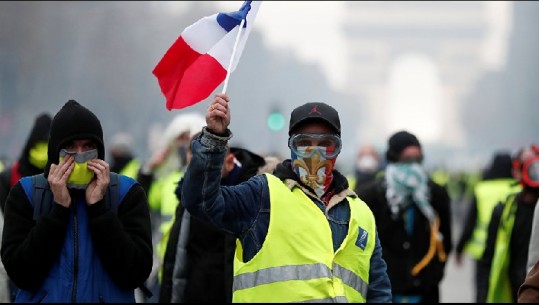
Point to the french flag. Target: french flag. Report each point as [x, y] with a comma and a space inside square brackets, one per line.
[201, 58]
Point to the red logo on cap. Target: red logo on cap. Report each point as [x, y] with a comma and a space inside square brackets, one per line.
[314, 110]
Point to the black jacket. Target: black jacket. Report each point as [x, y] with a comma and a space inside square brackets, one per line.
[122, 240]
[402, 252]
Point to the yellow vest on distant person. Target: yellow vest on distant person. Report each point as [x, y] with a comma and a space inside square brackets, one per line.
[162, 198]
[499, 287]
[351, 181]
[488, 193]
[297, 263]
[131, 169]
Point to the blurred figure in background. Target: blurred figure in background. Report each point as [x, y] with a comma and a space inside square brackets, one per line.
[368, 165]
[159, 176]
[122, 156]
[198, 262]
[270, 163]
[5, 283]
[32, 161]
[497, 183]
[413, 216]
[502, 268]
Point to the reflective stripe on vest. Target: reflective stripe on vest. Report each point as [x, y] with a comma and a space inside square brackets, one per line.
[297, 263]
[499, 288]
[488, 193]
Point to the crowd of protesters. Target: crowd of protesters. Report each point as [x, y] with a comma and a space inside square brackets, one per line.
[204, 221]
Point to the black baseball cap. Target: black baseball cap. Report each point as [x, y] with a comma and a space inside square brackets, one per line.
[315, 111]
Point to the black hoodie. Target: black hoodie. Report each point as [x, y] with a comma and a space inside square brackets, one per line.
[23, 167]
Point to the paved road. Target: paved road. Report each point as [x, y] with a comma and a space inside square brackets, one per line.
[457, 285]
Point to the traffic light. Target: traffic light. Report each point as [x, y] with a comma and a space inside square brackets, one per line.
[276, 120]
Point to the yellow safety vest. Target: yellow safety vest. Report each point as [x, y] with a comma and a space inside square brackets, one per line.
[488, 193]
[131, 169]
[499, 288]
[351, 182]
[162, 197]
[297, 263]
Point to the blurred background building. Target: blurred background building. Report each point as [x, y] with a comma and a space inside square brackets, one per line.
[422, 66]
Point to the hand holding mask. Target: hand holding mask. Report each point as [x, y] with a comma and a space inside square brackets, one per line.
[81, 176]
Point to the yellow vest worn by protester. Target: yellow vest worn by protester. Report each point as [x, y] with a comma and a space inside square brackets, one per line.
[162, 197]
[351, 181]
[499, 287]
[131, 169]
[487, 193]
[297, 263]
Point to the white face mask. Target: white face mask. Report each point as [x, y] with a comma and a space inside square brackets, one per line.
[367, 163]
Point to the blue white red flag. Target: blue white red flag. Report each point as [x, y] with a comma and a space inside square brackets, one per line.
[200, 59]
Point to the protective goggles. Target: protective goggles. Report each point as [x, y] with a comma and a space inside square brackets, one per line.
[80, 157]
[530, 172]
[305, 145]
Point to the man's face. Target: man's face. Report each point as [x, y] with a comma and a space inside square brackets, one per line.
[314, 147]
[79, 146]
[411, 154]
[82, 151]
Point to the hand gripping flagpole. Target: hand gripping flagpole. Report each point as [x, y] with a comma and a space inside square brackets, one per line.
[233, 54]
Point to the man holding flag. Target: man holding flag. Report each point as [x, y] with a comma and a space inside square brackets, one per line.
[301, 234]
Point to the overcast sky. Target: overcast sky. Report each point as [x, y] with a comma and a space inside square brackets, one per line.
[295, 25]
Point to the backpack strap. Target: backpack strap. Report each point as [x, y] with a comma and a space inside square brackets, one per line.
[37, 190]
[119, 186]
[42, 194]
[112, 197]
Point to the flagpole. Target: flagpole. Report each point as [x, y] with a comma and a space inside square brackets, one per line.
[232, 57]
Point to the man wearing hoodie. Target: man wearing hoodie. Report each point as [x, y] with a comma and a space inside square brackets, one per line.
[75, 242]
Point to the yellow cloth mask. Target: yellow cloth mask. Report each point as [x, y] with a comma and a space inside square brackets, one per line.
[81, 176]
[38, 154]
